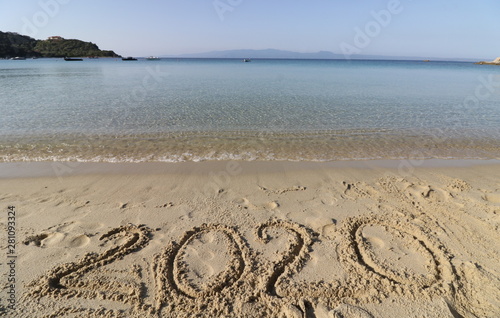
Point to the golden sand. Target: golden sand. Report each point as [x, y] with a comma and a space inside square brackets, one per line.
[254, 239]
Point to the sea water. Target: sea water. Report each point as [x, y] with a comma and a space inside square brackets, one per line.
[211, 109]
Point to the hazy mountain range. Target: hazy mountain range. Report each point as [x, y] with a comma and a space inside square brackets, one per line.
[13, 44]
[281, 54]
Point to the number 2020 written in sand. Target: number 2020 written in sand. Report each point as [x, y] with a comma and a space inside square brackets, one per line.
[180, 277]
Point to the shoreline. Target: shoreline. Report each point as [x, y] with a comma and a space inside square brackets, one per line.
[74, 168]
[253, 146]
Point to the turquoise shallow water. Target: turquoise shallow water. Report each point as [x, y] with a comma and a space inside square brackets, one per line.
[200, 109]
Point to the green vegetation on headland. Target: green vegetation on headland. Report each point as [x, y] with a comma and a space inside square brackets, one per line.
[13, 45]
[70, 48]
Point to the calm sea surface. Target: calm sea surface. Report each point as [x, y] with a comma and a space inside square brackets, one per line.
[202, 109]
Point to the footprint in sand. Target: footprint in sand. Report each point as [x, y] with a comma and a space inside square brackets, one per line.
[329, 231]
[374, 241]
[45, 239]
[35, 240]
[492, 198]
[357, 190]
[246, 204]
[427, 193]
[459, 185]
[57, 239]
[272, 205]
[327, 197]
[329, 200]
[52, 239]
[79, 241]
[320, 224]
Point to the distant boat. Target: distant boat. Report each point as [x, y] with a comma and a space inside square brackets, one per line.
[427, 60]
[18, 58]
[152, 58]
[72, 59]
[129, 58]
[247, 60]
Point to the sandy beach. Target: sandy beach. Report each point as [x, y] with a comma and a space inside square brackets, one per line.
[249, 159]
[251, 239]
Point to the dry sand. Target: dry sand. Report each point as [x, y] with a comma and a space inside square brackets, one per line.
[253, 239]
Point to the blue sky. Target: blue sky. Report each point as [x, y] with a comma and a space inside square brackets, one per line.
[432, 28]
